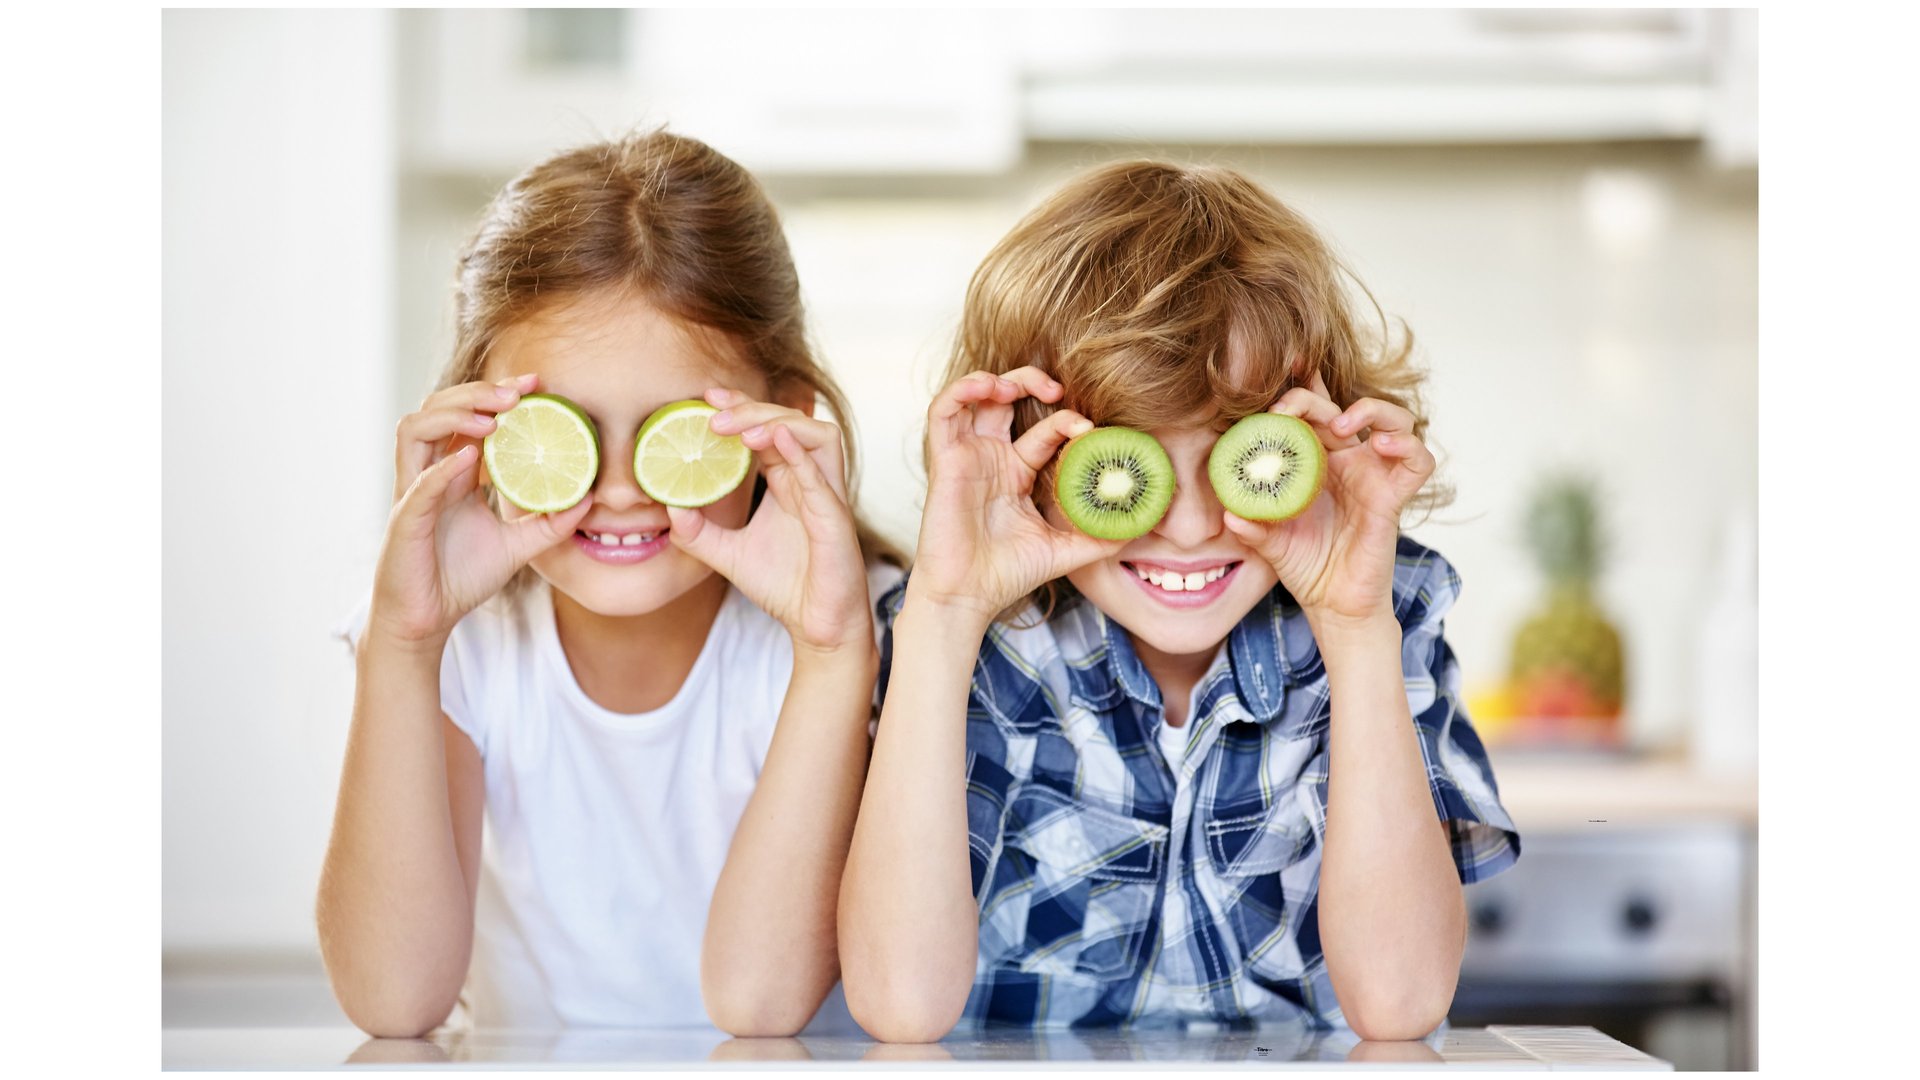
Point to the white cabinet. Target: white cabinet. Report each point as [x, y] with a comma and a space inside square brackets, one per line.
[952, 92]
[793, 92]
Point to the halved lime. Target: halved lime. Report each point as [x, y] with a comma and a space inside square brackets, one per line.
[543, 454]
[679, 461]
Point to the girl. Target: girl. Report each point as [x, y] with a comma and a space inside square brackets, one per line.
[1215, 772]
[602, 684]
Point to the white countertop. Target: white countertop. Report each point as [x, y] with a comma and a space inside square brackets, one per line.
[1581, 790]
[1519, 1048]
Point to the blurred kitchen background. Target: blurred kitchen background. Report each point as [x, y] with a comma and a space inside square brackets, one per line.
[1562, 204]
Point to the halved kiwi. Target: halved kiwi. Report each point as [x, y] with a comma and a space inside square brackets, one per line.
[1114, 483]
[1267, 467]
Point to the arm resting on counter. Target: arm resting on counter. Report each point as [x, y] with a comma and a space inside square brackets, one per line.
[909, 927]
[1393, 920]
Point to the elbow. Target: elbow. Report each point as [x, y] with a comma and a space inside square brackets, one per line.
[763, 1015]
[909, 1008]
[903, 1021]
[397, 1016]
[1399, 1013]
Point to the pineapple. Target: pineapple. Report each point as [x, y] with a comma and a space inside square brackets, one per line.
[1566, 657]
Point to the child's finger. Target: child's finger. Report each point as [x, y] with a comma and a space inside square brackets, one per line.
[715, 545]
[1411, 453]
[1036, 382]
[419, 508]
[1254, 534]
[1376, 414]
[488, 396]
[1073, 549]
[1315, 409]
[961, 394]
[814, 435]
[817, 495]
[1037, 445]
[820, 449]
[530, 535]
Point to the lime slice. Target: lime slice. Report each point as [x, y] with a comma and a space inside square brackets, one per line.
[679, 461]
[543, 454]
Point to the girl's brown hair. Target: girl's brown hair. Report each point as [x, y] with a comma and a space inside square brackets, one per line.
[1163, 295]
[670, 219]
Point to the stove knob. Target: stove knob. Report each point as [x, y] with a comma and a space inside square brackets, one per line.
[1489, 917]
[1639, 916]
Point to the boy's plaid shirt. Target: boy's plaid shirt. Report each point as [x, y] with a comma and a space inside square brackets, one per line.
[1105, 898]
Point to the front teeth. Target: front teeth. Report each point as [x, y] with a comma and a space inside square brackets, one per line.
[1173, 582]
[616, 540]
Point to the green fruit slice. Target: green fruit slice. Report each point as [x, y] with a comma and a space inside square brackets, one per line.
[543, 454]
[1114, 483]
[679, 461]
[1267, 467]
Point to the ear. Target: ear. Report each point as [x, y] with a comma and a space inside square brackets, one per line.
[800, 397]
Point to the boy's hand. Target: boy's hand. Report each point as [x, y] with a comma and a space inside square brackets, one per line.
[983, 544]
[1336, 557]
[446, 551]
[799, 557]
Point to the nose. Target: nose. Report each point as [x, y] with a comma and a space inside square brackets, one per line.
[1195, 515]
[616, 488]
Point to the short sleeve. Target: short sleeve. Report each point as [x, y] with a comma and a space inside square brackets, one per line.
[887, 585]
[453, 691]
[1458, 770]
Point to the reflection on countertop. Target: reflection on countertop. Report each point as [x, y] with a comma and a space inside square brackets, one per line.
[1264, 1047]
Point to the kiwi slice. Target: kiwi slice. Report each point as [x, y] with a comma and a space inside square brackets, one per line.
[1267, 467]
[1114, 483]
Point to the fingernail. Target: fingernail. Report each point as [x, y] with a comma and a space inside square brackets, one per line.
[754, 430]
[720, 418]
[504, 393]
[527, 380]
[1384, 439]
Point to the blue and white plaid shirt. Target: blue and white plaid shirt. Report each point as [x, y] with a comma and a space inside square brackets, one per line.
[1110, 893]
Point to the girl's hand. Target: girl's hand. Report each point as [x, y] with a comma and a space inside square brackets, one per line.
[799, 557]
[446, 551]
[1336, 557]
[983, 544]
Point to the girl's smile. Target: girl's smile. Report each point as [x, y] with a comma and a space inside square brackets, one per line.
[621, 547]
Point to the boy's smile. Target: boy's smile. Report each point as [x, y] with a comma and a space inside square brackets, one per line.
[1184, 583]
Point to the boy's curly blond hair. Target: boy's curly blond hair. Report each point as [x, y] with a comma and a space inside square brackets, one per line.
[1165, 295]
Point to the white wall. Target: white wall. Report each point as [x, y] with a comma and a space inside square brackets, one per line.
[277, 227]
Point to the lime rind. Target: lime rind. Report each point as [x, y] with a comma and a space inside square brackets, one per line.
[680, 461]
[543, 454]
[1281, 483]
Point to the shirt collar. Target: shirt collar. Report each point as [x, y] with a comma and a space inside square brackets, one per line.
[1269, 650]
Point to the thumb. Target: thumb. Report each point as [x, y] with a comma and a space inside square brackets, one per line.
[535, 533]
[691, 532]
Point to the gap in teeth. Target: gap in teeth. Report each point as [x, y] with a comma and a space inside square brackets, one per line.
[1176, 582]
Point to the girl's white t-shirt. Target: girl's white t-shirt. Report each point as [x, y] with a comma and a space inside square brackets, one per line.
[605, 832]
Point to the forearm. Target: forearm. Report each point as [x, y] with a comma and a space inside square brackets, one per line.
[909, 929]
[1392, 915]
[770, 954]
[395, 910]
